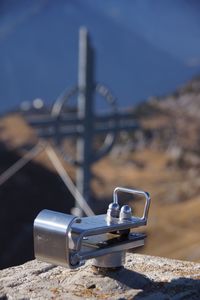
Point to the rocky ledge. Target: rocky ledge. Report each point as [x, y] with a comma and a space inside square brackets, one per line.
[143, 277]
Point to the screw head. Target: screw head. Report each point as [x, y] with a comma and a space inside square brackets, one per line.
[78, 220]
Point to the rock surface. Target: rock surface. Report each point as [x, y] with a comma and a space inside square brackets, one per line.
[143, 277]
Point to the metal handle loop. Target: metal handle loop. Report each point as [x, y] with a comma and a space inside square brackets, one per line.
[134, 192]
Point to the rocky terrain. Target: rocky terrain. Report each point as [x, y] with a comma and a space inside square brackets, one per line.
[162, 158]
[143, 277]
[173, 122]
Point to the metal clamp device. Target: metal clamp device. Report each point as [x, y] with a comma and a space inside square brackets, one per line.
[66, 240]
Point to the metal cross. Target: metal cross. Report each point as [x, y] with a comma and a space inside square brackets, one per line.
[84, 124]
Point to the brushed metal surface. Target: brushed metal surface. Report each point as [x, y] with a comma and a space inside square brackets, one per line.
[51, 242]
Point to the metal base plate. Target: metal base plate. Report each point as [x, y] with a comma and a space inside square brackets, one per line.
[99, 224]
[112, 260]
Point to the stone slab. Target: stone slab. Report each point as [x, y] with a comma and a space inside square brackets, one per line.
[143, 277]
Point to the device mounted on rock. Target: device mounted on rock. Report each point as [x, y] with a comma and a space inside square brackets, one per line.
[69, 241]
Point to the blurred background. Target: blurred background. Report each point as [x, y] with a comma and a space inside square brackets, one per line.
[148, 54]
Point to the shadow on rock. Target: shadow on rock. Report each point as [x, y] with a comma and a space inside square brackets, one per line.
[128, 279]
[181, 288]
[177, 289]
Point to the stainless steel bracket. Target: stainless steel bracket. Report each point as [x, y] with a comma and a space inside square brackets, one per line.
[63, 239]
